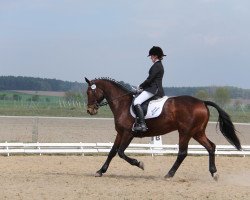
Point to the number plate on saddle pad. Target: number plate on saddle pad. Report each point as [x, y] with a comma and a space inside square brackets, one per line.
[154, 108]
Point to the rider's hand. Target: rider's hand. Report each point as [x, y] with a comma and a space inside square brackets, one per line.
[139, 90]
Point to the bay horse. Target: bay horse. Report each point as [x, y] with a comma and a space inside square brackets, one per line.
[186, 114]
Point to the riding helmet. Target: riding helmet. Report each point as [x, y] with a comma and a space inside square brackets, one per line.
[156, 51]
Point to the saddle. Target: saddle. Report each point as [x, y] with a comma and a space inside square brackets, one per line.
[152, 108]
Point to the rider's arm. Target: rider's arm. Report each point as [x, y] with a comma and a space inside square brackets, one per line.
[152, 75]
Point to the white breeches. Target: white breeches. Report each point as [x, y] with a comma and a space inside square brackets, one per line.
[142, 97]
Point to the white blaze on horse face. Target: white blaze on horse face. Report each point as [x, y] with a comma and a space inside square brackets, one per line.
[93, 87]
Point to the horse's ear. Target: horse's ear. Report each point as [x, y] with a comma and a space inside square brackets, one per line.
[87, 80]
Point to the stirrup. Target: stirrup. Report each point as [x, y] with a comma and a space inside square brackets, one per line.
[139, 127]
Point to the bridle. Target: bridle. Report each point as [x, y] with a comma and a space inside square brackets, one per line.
[97, 104]
[93, 90]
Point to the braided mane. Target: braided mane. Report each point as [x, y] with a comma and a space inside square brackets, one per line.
[120, 84]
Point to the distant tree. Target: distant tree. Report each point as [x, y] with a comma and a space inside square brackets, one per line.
[202, 94]
[127, 85]
[36, 84]
[237, 104]
[73, 96]
[222, 96]
[16, 97]
[35, 98]
[248, 106]
[31, 83]
[3, 96]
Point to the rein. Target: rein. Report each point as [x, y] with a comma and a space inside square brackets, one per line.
[115, 99]
[94, 87]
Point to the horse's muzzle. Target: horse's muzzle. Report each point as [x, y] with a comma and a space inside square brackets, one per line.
[92, 110]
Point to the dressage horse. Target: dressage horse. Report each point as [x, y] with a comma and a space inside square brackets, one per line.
[186, 114]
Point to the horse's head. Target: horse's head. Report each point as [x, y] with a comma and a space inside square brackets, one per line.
[95, 96]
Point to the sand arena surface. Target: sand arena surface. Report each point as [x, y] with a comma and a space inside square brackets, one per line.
[72, 177]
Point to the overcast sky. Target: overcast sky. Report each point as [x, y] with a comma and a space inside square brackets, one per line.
[207, 42]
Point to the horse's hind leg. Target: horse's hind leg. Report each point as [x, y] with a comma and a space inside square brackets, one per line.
[210, 147]
[182, 154]
[111, 155]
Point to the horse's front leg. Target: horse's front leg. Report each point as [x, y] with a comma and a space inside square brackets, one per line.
[126, 139]
[111, 155]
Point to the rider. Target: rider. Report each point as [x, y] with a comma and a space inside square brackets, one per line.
[152, 86]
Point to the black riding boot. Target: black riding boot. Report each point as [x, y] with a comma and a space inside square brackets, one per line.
[140, 125]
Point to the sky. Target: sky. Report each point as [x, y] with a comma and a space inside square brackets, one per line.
[207, 42]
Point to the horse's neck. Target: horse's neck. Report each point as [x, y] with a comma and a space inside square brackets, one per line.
[117, 98]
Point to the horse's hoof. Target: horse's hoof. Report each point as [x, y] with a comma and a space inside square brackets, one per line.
[141, 165]
[168, 177]
[216, 176]
[98, 174]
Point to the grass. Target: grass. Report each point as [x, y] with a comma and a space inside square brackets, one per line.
[17, 104]
[59, 107]
[237, 115]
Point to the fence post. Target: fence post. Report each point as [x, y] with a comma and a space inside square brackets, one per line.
[157, 143]
[7, 148]
[35, 130]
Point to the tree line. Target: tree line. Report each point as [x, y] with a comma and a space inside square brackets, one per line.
[233, 92]
[45, 84]
[37, 84]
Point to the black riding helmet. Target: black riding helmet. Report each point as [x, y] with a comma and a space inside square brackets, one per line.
[156, 51]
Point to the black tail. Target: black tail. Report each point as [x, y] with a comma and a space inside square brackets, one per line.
[226, 125]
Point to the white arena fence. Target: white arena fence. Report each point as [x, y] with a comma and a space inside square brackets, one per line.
[55, 135]
[103, 148]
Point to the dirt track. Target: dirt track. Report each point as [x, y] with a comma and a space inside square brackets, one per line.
[72, 177]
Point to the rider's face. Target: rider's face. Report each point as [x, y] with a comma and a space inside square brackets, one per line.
[154, 58]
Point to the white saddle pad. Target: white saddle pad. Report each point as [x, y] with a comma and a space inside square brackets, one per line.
[154, 108]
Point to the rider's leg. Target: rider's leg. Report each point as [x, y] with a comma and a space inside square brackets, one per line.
[141, 126]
